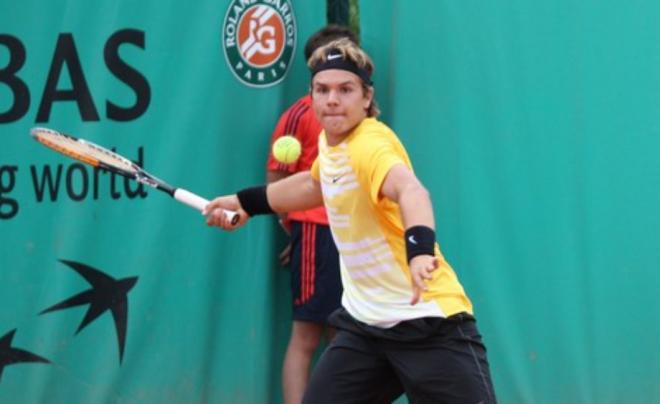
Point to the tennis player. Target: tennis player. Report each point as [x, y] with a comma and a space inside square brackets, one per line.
[405, 318]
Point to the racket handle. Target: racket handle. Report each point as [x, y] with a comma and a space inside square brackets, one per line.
[199, 203]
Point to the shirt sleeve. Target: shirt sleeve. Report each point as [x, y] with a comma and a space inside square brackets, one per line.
[378, 164]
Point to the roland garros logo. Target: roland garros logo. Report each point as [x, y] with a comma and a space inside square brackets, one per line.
[259, 39]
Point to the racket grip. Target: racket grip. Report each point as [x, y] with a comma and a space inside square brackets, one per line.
[199, 203]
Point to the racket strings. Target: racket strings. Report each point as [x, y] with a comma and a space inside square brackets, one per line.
[68, 151]
[108, 156]
[83, 151]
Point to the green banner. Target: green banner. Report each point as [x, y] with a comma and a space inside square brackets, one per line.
[535, 127]
[114, 292]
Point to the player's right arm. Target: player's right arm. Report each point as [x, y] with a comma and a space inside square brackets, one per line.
[294, 193]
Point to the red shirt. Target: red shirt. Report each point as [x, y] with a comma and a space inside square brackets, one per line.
[300, 121]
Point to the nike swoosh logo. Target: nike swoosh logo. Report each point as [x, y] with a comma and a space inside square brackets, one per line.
[335, 179]
[333, 57]
[412, 240]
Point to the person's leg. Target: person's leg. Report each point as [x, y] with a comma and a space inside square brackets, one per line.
[316, 292]
[305, 338]
[305, 334]
[449, 367]
[352, 370]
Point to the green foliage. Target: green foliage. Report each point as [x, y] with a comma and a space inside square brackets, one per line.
[344, 12]
[354, 16]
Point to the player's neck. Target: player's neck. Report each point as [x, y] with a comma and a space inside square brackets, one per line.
[334, 139]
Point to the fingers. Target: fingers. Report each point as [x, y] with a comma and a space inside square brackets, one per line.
[216, 213]
[427, 269]
[418, 286]
[419, 280]
[213, 205]
[425, 273]
[416, 294]
[218, 217]
[421, 270]
[229, 202]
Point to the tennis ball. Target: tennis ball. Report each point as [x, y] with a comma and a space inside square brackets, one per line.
[286, 149]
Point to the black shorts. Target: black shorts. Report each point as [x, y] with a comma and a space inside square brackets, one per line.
[431, 360]
[315, 280]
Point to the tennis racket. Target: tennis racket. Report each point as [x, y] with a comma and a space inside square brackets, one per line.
[97, 156]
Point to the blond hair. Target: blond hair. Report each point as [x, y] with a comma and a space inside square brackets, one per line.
[352, 53]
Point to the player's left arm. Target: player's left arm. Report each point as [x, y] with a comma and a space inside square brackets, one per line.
[402, 186]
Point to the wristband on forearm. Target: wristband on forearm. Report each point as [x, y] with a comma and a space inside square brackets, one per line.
[254, 200]
[420, 240]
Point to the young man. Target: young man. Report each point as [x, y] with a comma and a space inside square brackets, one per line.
[314, 261]
[405, 319]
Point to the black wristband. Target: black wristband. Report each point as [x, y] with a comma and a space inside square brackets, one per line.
[254, 201]
[420, 240]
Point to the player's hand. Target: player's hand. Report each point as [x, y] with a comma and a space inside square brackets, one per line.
[215, 212]
[285, 255]
[421, 268]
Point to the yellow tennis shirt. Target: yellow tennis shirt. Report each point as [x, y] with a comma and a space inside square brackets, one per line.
[368, 231]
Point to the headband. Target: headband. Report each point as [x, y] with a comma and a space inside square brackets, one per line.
[334, 59]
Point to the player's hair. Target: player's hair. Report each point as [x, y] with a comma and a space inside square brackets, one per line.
[352, 53]
[327, 34]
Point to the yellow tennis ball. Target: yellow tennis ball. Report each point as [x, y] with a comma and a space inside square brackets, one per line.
[286, 149]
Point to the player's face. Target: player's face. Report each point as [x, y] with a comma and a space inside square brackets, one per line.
[340, 102]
